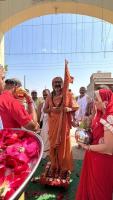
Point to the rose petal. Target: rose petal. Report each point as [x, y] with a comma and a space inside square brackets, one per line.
[21, 168]
[9, 194]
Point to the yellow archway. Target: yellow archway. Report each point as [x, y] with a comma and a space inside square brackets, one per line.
[14, 12]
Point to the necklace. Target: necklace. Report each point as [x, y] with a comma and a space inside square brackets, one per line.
[59, 104]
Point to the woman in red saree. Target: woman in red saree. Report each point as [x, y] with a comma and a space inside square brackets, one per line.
[96, 181]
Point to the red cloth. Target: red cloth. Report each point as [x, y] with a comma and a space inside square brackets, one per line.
[12, 112]
[107, 97]
[96, 181]
[67, 79]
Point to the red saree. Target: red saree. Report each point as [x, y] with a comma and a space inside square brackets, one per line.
[96, 181]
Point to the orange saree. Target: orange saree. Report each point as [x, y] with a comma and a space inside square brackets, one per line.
[59, 127]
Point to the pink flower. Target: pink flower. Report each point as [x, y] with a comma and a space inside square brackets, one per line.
[31, 146]
[17, 151]
[17, 148]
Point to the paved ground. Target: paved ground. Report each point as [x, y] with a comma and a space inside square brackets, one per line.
[78, 153]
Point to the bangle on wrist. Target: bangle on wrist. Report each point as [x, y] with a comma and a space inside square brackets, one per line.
[89, 148]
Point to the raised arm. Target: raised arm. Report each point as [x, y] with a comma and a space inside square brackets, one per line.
[47, 106]
[31, 107]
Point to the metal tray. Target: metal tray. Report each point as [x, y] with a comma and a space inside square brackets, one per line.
[33, 164]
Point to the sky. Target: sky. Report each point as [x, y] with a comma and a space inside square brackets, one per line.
[35, 50]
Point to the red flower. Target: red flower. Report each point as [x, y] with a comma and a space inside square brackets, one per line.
[11, 138]
[22, 167]
[2, 173]
[21, 133]
[2, 170]
[60, 196]
[9, 194]
[2, 155]
[18, 180]
[11, 162]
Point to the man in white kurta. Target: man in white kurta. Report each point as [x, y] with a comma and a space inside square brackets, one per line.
[82, 100]
[44, 128]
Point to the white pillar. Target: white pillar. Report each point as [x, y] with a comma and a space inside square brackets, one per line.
[1, 48]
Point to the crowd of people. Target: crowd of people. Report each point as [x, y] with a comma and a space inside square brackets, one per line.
[53, 118]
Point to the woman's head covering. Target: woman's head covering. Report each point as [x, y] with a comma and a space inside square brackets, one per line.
[107, 98]
[105, 94]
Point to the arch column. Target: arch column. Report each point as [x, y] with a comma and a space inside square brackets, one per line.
[2, 48]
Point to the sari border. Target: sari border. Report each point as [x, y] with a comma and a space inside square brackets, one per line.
[106, 124]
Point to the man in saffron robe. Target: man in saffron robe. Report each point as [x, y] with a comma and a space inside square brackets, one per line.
[60, 106]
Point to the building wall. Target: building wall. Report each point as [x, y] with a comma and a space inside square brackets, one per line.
[99, 79]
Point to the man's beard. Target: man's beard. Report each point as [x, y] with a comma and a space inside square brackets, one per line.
[57, 87]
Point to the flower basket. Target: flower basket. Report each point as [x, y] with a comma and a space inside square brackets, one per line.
[20, 155]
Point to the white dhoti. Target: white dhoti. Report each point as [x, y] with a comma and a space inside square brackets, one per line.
[44, 135]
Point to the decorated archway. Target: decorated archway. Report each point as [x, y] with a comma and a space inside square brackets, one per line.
[14, 12]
